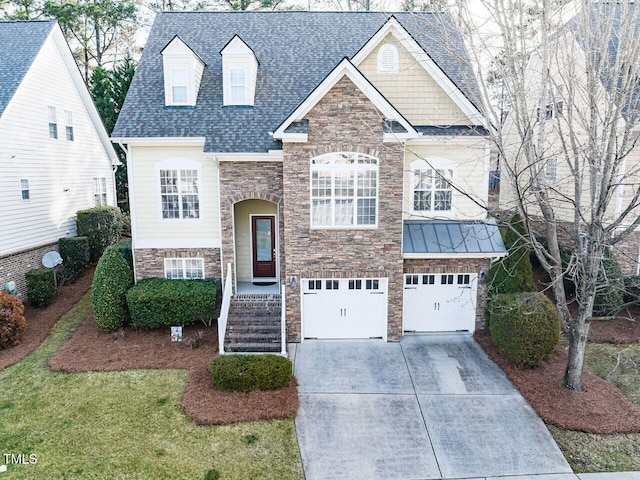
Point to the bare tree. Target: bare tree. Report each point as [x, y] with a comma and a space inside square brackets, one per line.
[570, 75]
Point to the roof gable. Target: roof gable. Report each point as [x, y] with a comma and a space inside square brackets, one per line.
[345, 69]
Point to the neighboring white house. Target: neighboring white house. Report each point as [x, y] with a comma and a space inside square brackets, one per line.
[55, 154]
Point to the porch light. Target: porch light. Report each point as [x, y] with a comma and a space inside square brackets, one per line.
[293, 282]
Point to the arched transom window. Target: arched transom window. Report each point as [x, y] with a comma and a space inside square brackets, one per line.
[344, 190]
[388, 59]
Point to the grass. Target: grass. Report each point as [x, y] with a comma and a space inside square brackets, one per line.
[606, 453]
[125, 425]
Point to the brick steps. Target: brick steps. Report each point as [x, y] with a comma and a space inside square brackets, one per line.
[253, 325]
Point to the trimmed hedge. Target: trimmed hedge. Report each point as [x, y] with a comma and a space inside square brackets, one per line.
[102, 226]
[246, 373]
[75, 257]
[124, 247]
[157, 302]
[525, 327]
[12, 321]
[609, 297]
[41, 286]
[111, 281]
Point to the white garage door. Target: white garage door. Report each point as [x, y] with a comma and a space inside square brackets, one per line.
[439, 302]
[344, 308]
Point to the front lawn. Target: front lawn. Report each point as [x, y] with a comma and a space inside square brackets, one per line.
[125, 425]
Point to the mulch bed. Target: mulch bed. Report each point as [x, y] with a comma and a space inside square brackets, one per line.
[130, 348]
[602, 408]
[625, 328]
[40, 321]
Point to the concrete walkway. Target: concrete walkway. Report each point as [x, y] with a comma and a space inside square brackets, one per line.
[430, 407]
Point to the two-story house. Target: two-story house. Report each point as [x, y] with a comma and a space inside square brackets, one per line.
[55, 155]
[338, 155]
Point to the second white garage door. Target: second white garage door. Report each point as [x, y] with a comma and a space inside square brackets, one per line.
[344, 308]
[439, 302]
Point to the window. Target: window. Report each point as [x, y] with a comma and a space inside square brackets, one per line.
[238, 86]
[428, 279]
[315, 284]
[24, 189]
[552, 107]
[446, 279]
[373, 284]
[463, 279]
[179, 85]
[68, 116]
[100, 191]
[411, 279]
[332, 285]
[184, 268]
[432, 190]
[344, 190]
[388, 59]
[355, 284]
[551, 169]
[53, 122]
[179, 193]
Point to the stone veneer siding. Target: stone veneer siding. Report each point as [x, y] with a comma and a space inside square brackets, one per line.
[344, 120]
[248, 181]
[14, 266]
[149, 262]
[461, 265]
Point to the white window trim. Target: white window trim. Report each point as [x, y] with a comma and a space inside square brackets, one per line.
[52, 116]
[99, 193]
[22, 190]
[432, 163]
[244, 85]
[68, 124]
[173, 84]
[545, 169]
[384, 67]
[180, 164]
[184, 270]
[334, 167]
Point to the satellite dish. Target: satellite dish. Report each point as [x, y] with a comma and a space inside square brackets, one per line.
[51, 259]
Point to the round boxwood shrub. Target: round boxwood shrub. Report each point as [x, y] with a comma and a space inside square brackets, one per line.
[41, 286]
[245, 373]
[525, 327]
[112, 279]
[12, 321]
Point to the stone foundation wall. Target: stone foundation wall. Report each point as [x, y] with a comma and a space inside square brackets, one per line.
[14, 266]
[149, 262]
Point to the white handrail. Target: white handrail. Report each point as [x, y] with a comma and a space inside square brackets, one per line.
[283, 323]
[224, 310]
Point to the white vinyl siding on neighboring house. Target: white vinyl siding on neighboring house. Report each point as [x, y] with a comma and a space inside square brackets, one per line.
[24, 189]
[69, 125]
[100, 191]
[344, 190]
[184, 268]
[179, 193]
[53, 122]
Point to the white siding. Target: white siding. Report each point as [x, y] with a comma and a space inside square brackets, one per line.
[151, 230]
[60, 172]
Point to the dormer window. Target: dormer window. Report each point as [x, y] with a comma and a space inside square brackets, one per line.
[388, 59]
[182, 74]
[240, 71]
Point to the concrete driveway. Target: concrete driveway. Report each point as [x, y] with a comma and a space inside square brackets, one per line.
[430, 407]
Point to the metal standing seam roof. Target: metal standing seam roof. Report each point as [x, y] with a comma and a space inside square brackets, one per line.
[449, 236]
[296, 51]
[20, 42]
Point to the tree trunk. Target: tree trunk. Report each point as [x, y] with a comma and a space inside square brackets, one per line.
[575, 361]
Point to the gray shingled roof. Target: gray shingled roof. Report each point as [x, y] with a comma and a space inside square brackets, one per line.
[296, 51]
[448, 236]
[20, 42]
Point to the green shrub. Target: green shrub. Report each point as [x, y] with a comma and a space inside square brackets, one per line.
[610, 290]
[41, 286]
[512, 273]
[245, 373]
[525, 327]
[212, 474]
[102, 226]
[157, 302]
[75, 257]
[632, 289]
[112, 279]
[124, 247]
[12, 321]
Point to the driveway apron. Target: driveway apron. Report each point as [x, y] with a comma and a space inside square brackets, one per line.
[429, 407]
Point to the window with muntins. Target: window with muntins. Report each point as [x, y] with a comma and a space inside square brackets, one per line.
[184, 268]
[551, 169]
[432, 190]
[53, 122]
[238, 86]
[24, 189]
[344, 190]
[179, 193]
[179, 85]
[68, 116]
[388, 59]
[100, 191]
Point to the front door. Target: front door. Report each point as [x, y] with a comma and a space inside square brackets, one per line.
[263, 238]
